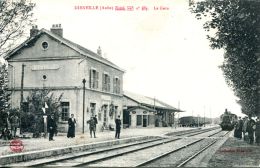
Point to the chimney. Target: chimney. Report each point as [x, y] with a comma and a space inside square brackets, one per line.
[57, 29]
[99, 51]
[34, 31]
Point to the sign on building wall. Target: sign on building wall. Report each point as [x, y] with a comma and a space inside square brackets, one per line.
[45, 67]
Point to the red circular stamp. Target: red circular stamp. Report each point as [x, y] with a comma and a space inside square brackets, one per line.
[16, 145]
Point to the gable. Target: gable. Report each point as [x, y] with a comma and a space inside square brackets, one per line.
[35, 50]
[129, 102]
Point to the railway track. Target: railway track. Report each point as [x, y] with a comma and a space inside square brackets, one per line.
[184, 162]
[180, 133]
[99, 155]
[181, 162]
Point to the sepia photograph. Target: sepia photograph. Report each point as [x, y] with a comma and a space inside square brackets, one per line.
[130, 83]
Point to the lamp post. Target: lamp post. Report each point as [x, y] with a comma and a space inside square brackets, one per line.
[21, 100]
[83, 115]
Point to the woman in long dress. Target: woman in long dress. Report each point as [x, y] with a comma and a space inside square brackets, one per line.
[71, 129]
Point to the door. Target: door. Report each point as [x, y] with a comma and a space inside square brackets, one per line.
[145, 121]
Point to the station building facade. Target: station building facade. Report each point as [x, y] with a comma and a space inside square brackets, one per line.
[143, 111]
[52, 62]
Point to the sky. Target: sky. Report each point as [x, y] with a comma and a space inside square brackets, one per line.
[165, 53]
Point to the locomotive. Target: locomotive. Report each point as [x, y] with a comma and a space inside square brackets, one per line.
[228, 120]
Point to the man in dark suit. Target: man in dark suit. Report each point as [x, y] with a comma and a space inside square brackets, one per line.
[92, 126]
[118, 127]
[250, 129]
[51, 127]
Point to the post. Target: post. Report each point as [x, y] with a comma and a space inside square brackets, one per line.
[210, 116]
[198, 120]
[45, 125]
[83, 115]
[178, 122]
[21, 100]
[45, 119]
[154, 103]
[192, 118]
[204, 115]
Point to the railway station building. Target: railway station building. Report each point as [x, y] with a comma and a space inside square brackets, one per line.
[143, 111]
[53, 62]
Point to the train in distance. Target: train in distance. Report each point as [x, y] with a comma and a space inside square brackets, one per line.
[190, 121]
[228, 120]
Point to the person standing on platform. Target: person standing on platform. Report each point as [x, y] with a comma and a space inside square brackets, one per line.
[95, 120]
[244, 129]
[250, 130]
[92, 126]
[239, 128]
[257, 131]
[51, 125]
[14, 120]
[118, 127]
[236, 129]
[71, 129]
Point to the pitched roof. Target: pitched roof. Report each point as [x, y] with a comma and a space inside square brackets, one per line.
[82, 50]
[140, 107]
[150, 102]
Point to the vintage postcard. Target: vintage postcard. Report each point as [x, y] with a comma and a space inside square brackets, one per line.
[129, 83]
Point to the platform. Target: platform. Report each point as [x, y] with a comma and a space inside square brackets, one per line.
[236, 153]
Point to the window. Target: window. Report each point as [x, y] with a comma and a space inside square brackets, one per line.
[45, 45]
[93, 108]
[65, 110]
[44, 77]
[139, 120]
[93, 79]
[106, 82]
[116, 85]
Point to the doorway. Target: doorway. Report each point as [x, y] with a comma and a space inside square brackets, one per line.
[145, 120]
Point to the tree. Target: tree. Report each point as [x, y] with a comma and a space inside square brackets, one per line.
[15, 16]
[4, 97]
[32, 115]
[235, 23]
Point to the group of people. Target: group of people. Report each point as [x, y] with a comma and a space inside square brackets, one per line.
[7, 134]
[249, 128]
[72, 124]
[92, 122]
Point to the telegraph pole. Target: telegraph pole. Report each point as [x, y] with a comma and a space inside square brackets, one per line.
[154, 103]
[198, 120]
[204, 115]
[178, 113]
[83, 115]
[210, 116]
[21, 100]
[192, 116]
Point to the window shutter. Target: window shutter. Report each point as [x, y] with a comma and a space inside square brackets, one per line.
[114, 85]
[90, 80]
[97, 75]
[118, 86]
[103, 81]
[108, 83]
